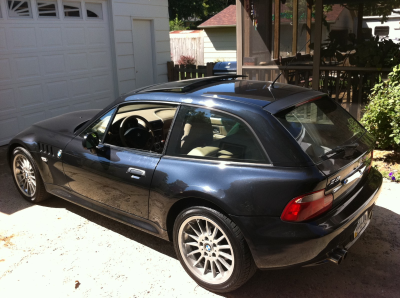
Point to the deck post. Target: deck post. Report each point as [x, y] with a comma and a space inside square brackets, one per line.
[295, 22]
[277, 28]
[310, 4]
[317, 44]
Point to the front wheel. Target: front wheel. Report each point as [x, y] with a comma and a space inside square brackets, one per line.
[212, 249]
[27, 177]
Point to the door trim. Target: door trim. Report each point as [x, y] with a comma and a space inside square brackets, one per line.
[153, 44]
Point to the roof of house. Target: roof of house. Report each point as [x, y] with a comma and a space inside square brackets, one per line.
[227, 17]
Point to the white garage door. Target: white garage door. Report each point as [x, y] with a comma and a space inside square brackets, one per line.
[54, 58]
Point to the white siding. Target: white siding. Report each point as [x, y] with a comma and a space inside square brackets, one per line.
[220, 43]
[123, 13]
[50, 66]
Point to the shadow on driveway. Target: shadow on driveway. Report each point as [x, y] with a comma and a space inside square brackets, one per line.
[370, 270]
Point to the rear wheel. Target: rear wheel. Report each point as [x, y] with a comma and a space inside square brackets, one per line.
[27, 177]
[212, 249]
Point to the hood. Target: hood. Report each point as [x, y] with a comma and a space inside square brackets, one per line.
[67, 123]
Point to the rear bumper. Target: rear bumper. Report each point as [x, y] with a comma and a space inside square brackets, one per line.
[278, 244]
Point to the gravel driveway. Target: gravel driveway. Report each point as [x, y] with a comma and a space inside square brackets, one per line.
[58, 249]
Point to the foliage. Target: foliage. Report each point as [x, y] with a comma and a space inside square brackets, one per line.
[176, 24]
[375, 53]
[203, 9]
[382, 115]
[187, 60]
[219, 60]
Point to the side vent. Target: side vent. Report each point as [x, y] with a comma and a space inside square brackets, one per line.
[46, 149]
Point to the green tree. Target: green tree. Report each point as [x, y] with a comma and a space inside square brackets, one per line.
[176, 24]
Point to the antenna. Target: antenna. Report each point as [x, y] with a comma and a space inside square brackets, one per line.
[279, 75]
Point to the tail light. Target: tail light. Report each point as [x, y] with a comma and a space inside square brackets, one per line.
[307, 206]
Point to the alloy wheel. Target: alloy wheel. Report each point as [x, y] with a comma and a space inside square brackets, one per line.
[206, 250]
[24, 175]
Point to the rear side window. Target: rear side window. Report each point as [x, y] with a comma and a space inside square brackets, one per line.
[208, 134]
[320, 126]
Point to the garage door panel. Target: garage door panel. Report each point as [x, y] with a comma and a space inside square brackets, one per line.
[57, 90]
[52, 66]
[23, 37]
[79, 87]
[5, 70]
[74, 36]
[77, 61]
[101, 83]
[32, 118]
[9, 128]
[30, 95]
[57, 111]
[51, 37]
[96, 37]
[3, 39]
[83, 106]
[7, 100]
[98, 60]
[27, 67]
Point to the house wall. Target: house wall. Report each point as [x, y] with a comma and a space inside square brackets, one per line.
[393, 22]
[220, 43]
[124, 11]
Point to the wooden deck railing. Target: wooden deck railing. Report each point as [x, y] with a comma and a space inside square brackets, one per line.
[350, 86]
[182, 72]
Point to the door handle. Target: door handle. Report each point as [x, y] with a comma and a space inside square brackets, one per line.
[136, 173]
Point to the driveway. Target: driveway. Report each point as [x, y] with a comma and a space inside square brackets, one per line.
[58, 249]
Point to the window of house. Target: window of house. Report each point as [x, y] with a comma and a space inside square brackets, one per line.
[207, 134]
[94, 10]
[382, 31]
[47, 9]
[72, 9]
[18, 9]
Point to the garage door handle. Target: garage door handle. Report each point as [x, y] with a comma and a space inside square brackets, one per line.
[136, 173]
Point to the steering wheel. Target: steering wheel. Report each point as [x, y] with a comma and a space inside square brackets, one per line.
[137, 136]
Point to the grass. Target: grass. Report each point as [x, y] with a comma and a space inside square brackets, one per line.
[388, 163]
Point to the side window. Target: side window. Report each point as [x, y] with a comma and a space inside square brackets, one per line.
[203, 133]
[142, 126]
[100, 125]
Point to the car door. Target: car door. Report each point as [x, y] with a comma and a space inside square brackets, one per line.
[114, 176]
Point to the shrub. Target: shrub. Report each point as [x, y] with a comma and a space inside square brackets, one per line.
[382, 114]
[187, 60]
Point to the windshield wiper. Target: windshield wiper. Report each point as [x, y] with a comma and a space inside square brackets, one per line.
[337, 150]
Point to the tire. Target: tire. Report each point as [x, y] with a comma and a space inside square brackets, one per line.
[227, 263]
[26, 176]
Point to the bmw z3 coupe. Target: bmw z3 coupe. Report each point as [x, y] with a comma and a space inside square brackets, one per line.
[238, 174]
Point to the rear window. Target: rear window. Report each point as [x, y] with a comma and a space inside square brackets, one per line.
[320, 126]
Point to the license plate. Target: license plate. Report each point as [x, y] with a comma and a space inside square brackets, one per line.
[362, 221]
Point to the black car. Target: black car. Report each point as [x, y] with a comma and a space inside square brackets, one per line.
[238, 174]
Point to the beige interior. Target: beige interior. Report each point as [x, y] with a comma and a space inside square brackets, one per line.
[210, 151]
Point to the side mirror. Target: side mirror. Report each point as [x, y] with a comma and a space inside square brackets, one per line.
[90, 141]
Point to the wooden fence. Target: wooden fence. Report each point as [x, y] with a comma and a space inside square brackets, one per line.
[182, 72]
[187, 45]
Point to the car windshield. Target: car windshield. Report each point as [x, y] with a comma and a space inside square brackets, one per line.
[321, 127]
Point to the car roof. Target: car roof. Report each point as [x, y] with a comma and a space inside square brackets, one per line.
[218, 88]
